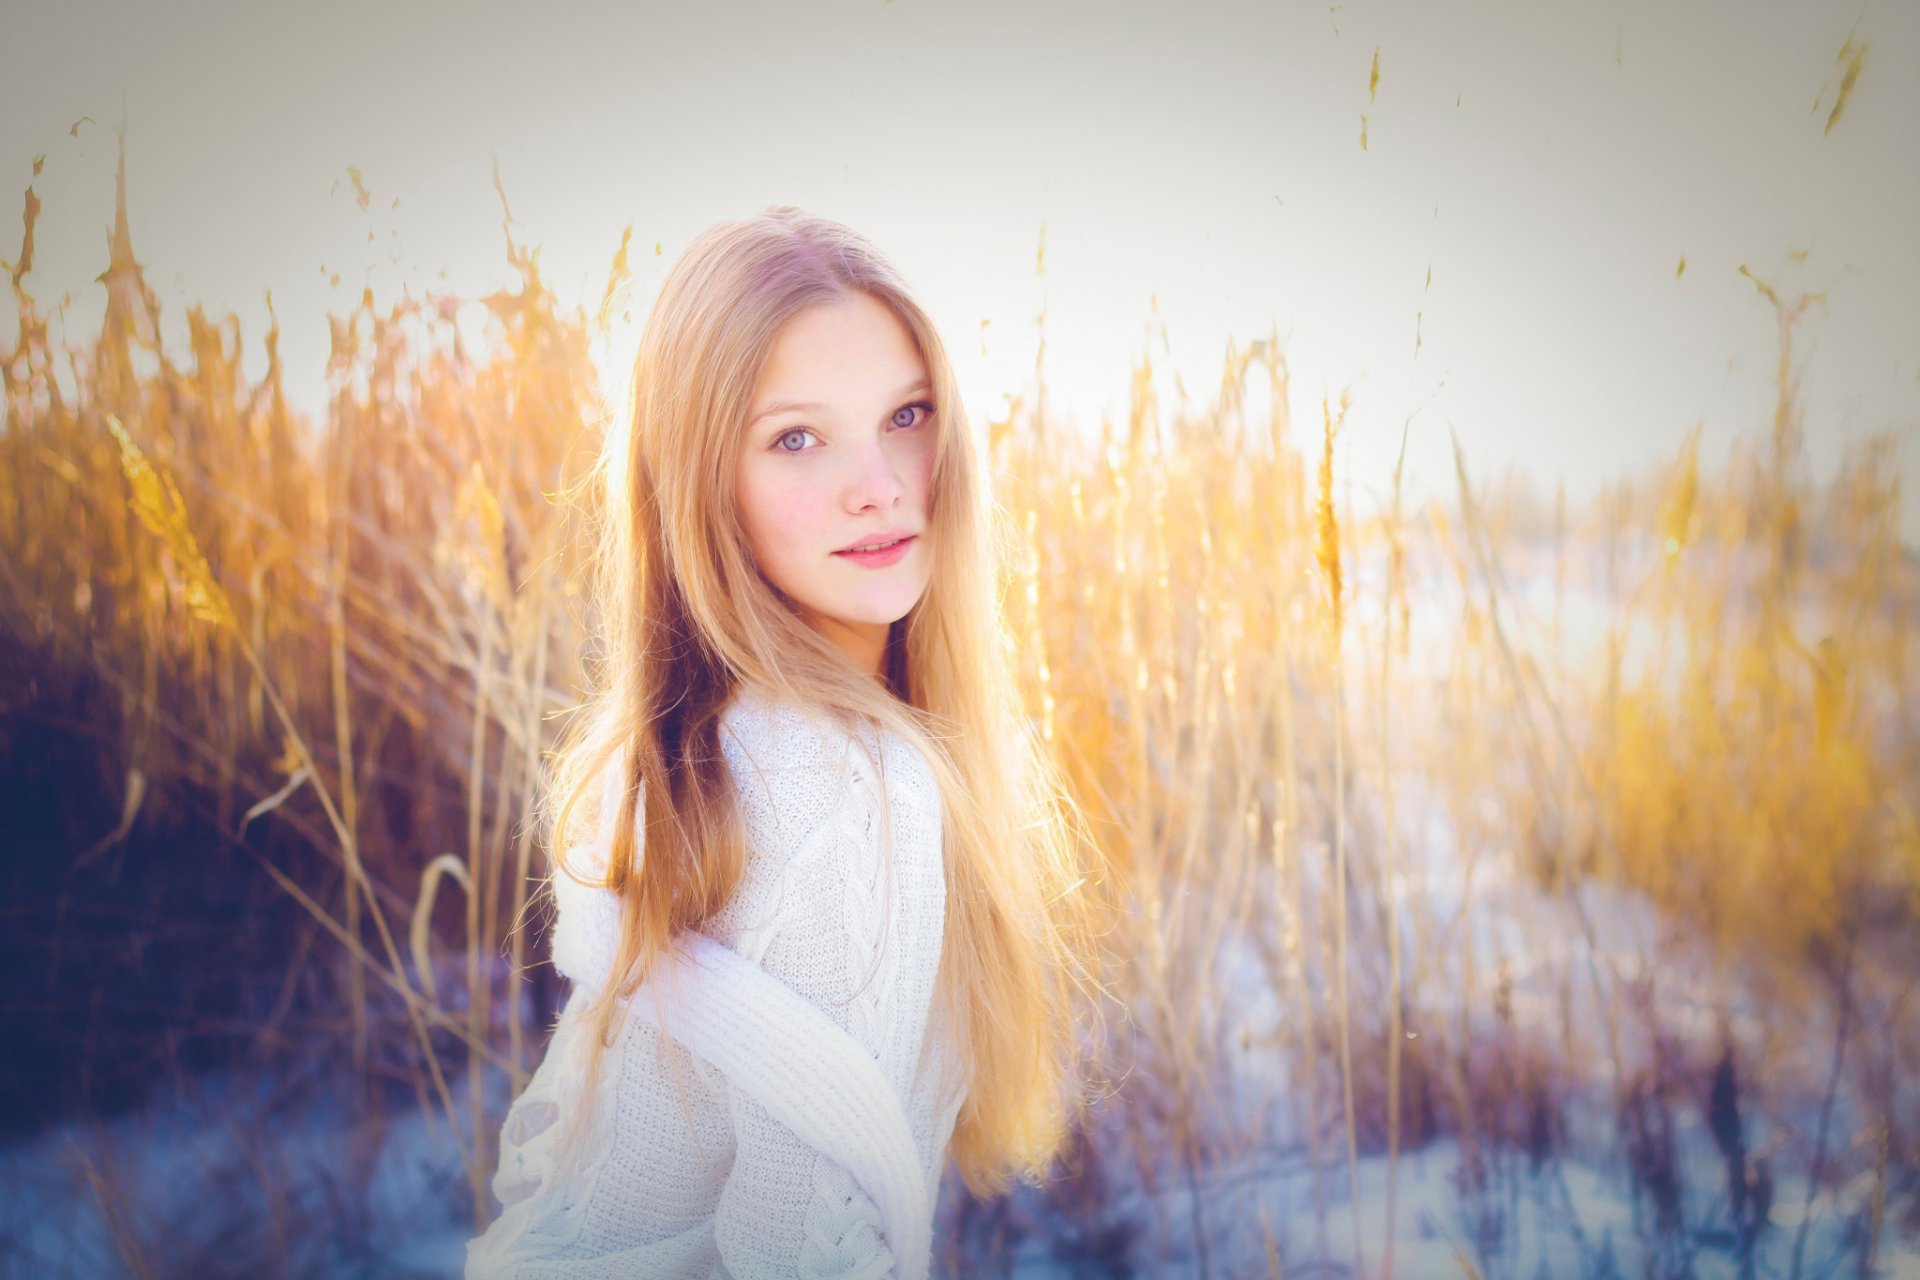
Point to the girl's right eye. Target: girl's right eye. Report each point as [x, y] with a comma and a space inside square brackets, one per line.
[781, 439]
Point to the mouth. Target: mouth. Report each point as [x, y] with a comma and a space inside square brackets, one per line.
[880, 551]
[880, 538]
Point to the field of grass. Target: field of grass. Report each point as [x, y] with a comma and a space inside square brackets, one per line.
[1511, 888]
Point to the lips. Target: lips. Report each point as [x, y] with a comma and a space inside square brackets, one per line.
[891, 554]
[881, 538]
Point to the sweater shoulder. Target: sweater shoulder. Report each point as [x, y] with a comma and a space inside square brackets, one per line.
[802, 779]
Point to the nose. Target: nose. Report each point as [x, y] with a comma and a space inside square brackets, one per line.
[876, 480]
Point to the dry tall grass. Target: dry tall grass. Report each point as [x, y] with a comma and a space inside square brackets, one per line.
[1404, 859]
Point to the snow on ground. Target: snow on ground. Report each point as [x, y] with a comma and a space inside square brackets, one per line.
[246, 1172]
[203, 1212]
[1571, 1219]
[233, 1180]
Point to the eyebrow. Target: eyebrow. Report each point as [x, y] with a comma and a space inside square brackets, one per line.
[783, 406]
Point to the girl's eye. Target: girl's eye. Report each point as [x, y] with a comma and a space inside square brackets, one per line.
[918, 404]
[780, 441]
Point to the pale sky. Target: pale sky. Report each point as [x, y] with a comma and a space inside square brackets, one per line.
[1549, 165]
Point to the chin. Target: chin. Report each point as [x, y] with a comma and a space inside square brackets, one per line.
[883, 617]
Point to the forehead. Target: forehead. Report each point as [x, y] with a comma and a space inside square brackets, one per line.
[855, 340]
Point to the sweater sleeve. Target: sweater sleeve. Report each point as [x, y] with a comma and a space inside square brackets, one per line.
[586, 929]
[862, 946]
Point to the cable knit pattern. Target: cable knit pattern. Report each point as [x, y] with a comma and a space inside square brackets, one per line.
[688, 1171]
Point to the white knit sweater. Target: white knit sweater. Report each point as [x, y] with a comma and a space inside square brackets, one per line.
[685, 1170]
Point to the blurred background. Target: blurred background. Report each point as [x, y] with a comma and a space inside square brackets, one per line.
[1455, 461]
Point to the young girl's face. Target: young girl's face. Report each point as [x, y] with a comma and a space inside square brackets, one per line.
[838, 454]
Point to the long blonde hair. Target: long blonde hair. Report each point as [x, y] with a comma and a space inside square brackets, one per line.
[684, 618]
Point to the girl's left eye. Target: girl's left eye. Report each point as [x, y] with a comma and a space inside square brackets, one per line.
[918, 404]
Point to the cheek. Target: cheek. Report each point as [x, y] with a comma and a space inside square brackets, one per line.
[795, 522]
[782, 521]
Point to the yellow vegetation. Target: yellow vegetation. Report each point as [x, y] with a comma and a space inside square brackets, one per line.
[298, 607]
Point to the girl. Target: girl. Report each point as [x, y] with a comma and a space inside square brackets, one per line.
[820, 892]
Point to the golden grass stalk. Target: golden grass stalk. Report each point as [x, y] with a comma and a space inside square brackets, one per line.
[1327, 554]
[156, 500]
[419, 934]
